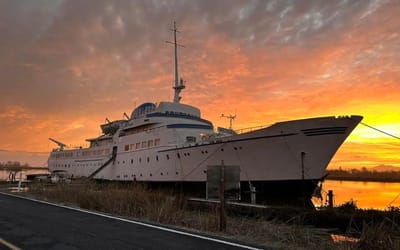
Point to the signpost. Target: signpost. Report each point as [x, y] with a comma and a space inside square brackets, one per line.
[223, 182]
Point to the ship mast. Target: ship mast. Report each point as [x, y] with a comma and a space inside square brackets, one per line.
[178, 82]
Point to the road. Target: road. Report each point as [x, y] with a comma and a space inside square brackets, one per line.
[28, 224]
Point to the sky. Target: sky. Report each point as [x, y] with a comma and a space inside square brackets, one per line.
[66, 66]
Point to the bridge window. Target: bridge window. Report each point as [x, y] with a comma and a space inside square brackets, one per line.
[127, 147]
[144, 144]
[150, 143]
[157, 142]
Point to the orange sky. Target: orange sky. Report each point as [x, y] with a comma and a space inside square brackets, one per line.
[67, 65]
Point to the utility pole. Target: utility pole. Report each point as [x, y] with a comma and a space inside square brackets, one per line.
[222, 216]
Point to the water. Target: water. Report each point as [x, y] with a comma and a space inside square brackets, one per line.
[377, 195]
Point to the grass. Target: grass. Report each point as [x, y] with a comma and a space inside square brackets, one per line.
[281, 229]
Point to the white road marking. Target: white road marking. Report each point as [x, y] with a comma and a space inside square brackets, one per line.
[8, 244]
[136, 222]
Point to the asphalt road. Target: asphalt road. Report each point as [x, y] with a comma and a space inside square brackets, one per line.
[28, 224]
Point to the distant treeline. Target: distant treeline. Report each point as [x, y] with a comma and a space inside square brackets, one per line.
[363, 174]
[17, 166]
[13, 164]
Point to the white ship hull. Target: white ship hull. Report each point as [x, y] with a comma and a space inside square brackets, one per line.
[283, 154]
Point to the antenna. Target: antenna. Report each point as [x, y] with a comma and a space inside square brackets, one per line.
[178, 82]
[231, 118]
[126, 116]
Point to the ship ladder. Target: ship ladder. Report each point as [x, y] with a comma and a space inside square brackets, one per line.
[112, 159]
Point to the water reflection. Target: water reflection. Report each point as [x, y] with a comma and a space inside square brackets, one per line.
[378, 195]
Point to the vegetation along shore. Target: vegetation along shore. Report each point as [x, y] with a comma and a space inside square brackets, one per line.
[363, 174]
[281, 228]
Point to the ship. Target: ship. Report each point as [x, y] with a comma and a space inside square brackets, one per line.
[171, 145]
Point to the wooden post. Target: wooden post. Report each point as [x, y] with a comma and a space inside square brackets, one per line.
[222, 218]
[330, 199]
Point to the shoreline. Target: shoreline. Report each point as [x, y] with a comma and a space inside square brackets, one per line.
[362, 179]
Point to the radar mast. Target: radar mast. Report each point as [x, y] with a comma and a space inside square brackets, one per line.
[178, 82]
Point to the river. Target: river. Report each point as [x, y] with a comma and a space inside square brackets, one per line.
[377, 195]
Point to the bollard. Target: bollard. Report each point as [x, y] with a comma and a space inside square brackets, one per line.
[20, 181]
[330, 199]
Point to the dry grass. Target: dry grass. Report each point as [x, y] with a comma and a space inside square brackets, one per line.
[156, 206]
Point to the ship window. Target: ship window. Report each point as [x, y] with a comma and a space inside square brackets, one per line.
[157, 157]
[132, 147]
[190, 139]
[126, 147]
[123, 162]
[144, 144]
[167, 157]
[179, 156]
[148, 159]
[138, 145]
[222, 149]
[150, 143]
[157, 142]
[140, 159]
[131, 161]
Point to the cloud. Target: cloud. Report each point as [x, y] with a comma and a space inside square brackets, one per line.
[66, 65]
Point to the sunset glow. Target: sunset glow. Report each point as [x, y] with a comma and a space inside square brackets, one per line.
[66, 66]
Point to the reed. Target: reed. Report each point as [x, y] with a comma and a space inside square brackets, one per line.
[166, 207]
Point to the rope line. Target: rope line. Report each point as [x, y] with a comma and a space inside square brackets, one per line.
[381, 131]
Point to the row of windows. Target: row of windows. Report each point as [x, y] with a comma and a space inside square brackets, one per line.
[78, 165]
[144, 144]
[83, 153]
[95, 152]
[147, 159]
[64, 155]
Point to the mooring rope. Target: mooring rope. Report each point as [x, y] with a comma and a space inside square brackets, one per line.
[381, 131]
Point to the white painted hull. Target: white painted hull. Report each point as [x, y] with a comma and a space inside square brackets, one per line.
[269, 154]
